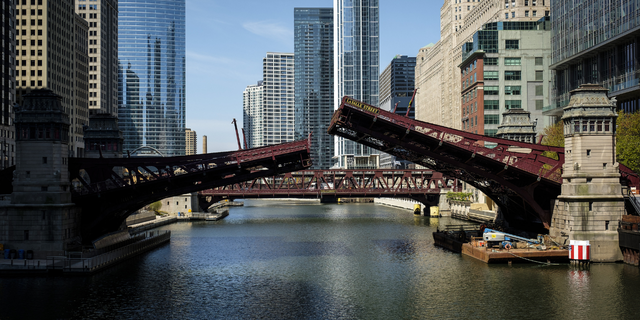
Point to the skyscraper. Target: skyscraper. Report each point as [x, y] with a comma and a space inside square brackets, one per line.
[397, 83]
[268, 106]
[7, 84]
[102, 16]
[313, 43]
[595, 42]
[191, 142]
[356, 68]
[51, 52]
[252, 114]
[151, 74]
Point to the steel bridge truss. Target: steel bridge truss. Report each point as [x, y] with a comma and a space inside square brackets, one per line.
[520, 177]
[421, 185]
[108, 190]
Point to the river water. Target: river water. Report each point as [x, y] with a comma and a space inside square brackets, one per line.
[302, 260]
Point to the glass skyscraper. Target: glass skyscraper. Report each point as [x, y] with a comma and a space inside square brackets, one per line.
[151, 74]
[356, 68]
[313, 43]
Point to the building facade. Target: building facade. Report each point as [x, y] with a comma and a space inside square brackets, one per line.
[595, 42]
[356, 69]
[7, 84]
[277, 100]
[397, 83]
[313, 77]
[191, 144]
[252, 114]
[437, 70]
[102, 16]
[505, 67]
[151, 74]
[51, 52]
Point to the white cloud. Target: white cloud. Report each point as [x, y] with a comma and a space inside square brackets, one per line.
[270, 29]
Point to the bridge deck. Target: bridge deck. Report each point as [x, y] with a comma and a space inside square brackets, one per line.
[518, 176]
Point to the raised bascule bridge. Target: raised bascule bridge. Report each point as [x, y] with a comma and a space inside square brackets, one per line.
[523, 179]
[108, 190]
[424, 186]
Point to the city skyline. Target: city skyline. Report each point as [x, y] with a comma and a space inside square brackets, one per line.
[230, 58]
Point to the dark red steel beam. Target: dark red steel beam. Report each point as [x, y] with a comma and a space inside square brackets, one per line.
[514, 174]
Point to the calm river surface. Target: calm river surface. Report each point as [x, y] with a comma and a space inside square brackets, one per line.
[301, 260]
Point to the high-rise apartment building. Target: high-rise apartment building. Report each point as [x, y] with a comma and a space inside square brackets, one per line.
[7, 84]
[191, 144]
[595, 42]
[356, 69]
[505, 67]
[252, 114]
[151, 74]
[437, 70]
[397, 82]
[51, 52]
[102, 16]
[277, 100]
[313, 48]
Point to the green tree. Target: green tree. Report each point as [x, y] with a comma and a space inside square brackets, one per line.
[628, 140]
[155, 206]
[553, 136]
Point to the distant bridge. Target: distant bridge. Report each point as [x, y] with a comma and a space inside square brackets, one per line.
[329, 185]
[516, 175]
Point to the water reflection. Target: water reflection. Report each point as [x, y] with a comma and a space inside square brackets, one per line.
[273, 260]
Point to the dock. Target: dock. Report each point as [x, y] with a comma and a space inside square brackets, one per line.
[497, 255]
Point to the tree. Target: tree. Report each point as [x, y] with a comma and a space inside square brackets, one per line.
[553, 136]
[628, 140]
[155, 206]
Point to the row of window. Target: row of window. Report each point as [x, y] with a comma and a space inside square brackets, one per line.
[509, 104]
[511, 75]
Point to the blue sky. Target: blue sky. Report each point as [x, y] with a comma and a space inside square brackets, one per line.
[226, 41]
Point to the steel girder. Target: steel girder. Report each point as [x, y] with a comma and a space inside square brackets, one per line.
[516, 175]
[109, 190]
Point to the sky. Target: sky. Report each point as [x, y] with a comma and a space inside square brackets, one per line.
[226, 41]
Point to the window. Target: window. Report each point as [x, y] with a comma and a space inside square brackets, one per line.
[512, 104]
[491, 75]
[506, 15]
[512, 44]
[512, 90]
[490, 61]
[533, 13]
[491, 90]
[539, 104]
[539, 75]
[513, 14]
[491, 119]
[526, 13]
[491, 104]
[512, 75]
[539, 91]
[490, 132]
[538, 61]
[511, 61]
